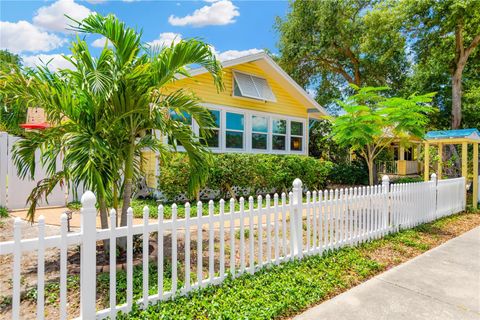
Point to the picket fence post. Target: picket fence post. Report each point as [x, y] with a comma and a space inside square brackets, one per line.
[297, 220]
[88, 256]
[386, 205]
[433, 178]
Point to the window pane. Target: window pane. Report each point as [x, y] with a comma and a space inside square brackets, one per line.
[259, 124]
[213, 140]
[296, 144]
[279, 126]
[182, 117]
[259, 141]
[216, 117]
[296, 128]
[278, 142]
[234, 121]
[234, 139]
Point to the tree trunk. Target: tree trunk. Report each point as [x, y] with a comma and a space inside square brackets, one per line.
[457, 98]
[127, 192]
[370, 171]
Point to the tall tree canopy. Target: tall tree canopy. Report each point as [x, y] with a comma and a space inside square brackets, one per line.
[445, 36]
[328, 44]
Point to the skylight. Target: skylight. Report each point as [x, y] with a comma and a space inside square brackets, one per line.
[246, 85]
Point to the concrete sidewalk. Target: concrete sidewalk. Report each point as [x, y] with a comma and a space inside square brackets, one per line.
[443, 284]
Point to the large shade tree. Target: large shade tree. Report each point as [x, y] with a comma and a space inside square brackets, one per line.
[445, 36]
[108, 109]
[372, 121]
[325, 45]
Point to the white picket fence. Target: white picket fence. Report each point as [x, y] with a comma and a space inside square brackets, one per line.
[287, 229]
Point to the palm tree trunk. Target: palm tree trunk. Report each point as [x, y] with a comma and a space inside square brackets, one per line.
[127, 191]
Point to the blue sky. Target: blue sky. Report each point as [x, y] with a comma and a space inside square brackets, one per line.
[36, 29]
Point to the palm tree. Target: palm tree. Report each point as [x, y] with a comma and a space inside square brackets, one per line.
[140, 102]
[108, 109]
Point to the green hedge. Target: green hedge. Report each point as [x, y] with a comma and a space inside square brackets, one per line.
[259, 172]
[353, 173]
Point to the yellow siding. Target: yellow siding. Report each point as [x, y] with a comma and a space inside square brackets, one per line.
[202, 85]
[148, 167]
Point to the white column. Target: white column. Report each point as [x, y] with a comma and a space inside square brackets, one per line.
[297, 218]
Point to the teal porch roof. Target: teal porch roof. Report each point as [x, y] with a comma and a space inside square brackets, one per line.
[451, 134]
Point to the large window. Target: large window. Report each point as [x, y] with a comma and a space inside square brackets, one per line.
[279, 134]
[214, 140]
[235, 128]
[296, 136]
[259, 132]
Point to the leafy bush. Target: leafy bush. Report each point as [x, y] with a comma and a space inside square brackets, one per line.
[3, 212]
[353, 173]
[407, 180]
[260, 173]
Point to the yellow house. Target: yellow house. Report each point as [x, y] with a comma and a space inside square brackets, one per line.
[261, 110]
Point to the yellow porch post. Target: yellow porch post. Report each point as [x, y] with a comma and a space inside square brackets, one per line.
[440, 161]
[465, 160]
[475, 175]
[426, 165]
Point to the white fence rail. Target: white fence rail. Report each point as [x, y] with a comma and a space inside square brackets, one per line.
[218, 243]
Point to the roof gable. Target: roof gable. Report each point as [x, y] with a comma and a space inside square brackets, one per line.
[264, 62]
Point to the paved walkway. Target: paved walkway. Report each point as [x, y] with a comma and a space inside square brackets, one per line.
[442, 284]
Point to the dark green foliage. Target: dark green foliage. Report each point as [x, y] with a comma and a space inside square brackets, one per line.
[260, 172]
[3, 212]
[407, 180]
[353, 173]
[274, 291]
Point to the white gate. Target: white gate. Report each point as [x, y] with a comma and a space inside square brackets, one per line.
[14, 190]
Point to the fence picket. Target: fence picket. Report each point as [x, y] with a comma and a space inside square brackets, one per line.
[160, 253]
[41, 269]
[145, 249]
[242, 235]
[199, 245]
[211, 239]
[63, 266]
[174, 250]
[232, 238]
[129, 259]
[269, 228]
[113, 264]
[251, 236]
[260, 230]
[187, 248]
[222, 239]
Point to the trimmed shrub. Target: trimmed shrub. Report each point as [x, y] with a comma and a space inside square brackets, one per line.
[256, 173]
[353, 173]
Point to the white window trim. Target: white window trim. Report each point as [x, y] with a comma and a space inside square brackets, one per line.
[286, 134]
[234, 79]
[267, 150]
[248, 130]
[223, 115]
[297, 136]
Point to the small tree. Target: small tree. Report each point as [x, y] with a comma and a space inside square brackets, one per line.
[372, 121]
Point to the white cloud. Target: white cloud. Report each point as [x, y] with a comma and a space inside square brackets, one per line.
[23, 36]
[234, 54]
[53, 61]
[53, 17]
[100, 42]
[218, 13]
[166, 39]
[96, 1]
